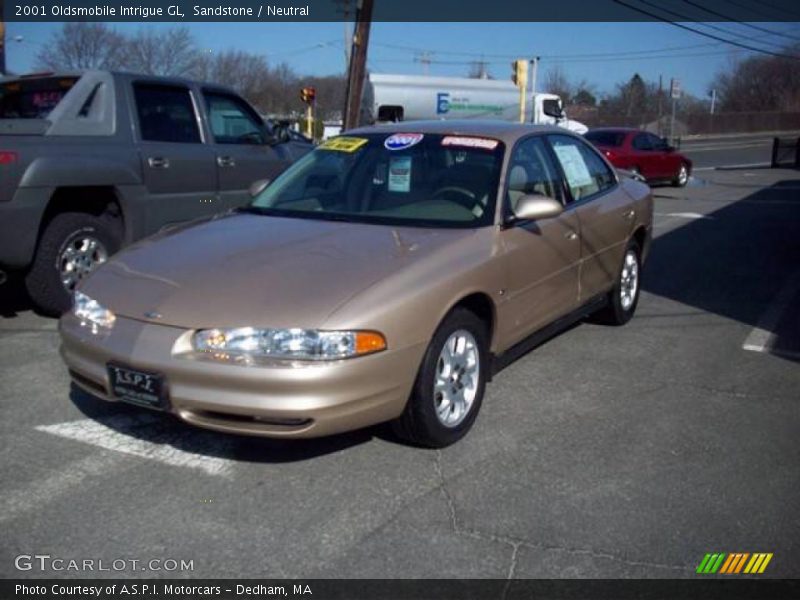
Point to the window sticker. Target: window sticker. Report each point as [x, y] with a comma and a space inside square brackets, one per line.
[470, 142]
[400, 174]
[343, 144]
[574, 167]
[401, 141]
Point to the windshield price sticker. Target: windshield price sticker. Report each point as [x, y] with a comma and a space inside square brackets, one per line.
[400, 174]
[574, 167]
[343, 144]
[401, 141]
[470, 142]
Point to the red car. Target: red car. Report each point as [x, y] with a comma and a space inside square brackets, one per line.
[643, 153]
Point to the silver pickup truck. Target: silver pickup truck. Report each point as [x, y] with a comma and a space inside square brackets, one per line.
[91, 162]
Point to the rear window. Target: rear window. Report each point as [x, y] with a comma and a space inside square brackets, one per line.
[605, 138]
[32, 98]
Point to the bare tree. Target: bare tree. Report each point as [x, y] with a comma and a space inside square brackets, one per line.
[557, 82]
[760, 83]
[79, 46]
[169, 52]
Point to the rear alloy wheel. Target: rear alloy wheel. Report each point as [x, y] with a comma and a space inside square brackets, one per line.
[449, 389]
[71, 247]
[682, 178]
[624, 296]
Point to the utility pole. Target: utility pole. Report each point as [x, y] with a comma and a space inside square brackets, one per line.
[358, 64]
[425, 59]
[2, 41]
[660, 96]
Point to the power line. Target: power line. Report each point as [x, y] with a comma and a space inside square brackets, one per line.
[705, 34]
[755, 11]
[756, 27]
[708, 25]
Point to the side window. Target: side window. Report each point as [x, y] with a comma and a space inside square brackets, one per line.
[656, 143]
[166, 114]
[233, 121]
[530, 171]
[586, 173]
[642, 142]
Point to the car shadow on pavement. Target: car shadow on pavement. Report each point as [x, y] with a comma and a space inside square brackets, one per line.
[736, 262]
[163, 428]
[13, 298]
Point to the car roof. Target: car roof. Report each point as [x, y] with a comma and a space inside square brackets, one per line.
[616, 130]
[502, 130]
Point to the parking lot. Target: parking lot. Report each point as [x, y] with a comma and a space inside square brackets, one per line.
[605, 452]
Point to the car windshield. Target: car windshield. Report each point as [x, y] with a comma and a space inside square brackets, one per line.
[400, 179]
[605, 138]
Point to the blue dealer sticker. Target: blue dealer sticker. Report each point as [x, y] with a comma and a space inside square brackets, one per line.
[401, 141]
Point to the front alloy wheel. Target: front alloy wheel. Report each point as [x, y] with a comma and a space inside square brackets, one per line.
[449, 388]
[456, 382]
[682, 178]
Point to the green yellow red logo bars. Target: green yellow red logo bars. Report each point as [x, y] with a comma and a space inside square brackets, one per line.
[734, 563]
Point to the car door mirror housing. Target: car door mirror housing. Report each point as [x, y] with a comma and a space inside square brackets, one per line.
[258, 186]
[536, 206]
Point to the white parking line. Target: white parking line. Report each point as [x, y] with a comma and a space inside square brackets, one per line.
[762, 336]
[149, 436]
[684, 215]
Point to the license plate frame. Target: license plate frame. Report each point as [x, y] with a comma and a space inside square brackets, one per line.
[137, 386]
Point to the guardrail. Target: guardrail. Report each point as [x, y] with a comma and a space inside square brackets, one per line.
[785, 153]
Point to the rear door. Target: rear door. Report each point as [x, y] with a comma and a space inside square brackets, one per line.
[179, 169]
[604, 212]
[541, 256]
[242, 153]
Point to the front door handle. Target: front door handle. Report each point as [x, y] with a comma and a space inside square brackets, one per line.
[226, 161]
[630, 214]
[571, 235]
[158, 162]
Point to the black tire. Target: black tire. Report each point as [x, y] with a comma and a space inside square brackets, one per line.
[419, 423]
[43, 281]
[679, 180]
[614, 313]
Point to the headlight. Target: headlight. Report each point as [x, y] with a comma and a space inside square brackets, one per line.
[92, 313]
[297, 344]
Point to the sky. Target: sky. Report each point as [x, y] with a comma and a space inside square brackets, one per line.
[584, 51]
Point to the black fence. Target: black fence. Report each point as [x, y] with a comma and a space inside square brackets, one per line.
[786, 153]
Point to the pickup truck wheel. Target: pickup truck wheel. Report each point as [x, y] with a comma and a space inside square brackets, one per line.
[450, 384]
[71, 247]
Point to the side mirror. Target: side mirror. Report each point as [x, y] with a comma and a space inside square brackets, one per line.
[280, 133]
[536, 206]
[257, 187]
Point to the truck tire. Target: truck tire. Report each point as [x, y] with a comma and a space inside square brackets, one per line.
[72, 245]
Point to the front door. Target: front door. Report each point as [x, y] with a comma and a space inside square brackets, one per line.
[177, 167]
[241, 148]
[541, 256]
[603, 210]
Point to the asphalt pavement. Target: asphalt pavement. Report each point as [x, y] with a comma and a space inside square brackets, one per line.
[605, 452]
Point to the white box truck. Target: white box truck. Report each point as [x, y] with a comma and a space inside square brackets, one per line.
[413, 97]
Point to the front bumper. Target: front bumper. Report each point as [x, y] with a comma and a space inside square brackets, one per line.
[279, 400]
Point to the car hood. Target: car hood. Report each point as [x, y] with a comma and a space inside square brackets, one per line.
[254, 270]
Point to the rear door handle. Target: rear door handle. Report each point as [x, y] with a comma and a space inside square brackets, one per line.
[226, 161]
[158, 162]
[630, 214]
[571, 235]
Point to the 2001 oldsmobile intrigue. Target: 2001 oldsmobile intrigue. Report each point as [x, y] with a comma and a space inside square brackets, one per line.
[381, 277]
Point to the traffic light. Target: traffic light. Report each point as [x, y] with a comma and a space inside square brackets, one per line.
[307, 95]
[519, 72]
